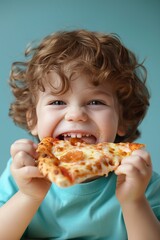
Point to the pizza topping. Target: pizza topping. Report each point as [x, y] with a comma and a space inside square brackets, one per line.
[72, 156]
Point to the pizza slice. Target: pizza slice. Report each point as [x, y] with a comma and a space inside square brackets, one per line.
[68, 162]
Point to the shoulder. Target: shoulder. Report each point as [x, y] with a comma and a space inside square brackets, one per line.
[8, 186]
[153, 193]
[155, 180]
[6, 171]
[153, 188]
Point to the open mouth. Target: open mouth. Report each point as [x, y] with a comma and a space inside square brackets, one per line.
[86, 137]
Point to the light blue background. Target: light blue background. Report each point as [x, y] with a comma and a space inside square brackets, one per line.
[137, 22]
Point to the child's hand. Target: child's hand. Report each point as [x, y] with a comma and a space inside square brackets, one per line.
[133, 176]
[24, 171]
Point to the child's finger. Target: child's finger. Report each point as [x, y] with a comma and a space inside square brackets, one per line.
[23, 145]
[30, 172]
[22, 159]
[143, 155]
[127, 169]
[140, 159]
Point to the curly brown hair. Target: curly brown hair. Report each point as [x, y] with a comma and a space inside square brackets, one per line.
[102, 56]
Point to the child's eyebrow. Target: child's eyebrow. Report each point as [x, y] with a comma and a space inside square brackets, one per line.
[102, 92]
[89, 91]
[49, 93]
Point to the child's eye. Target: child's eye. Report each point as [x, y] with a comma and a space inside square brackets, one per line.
[96, 102]
[58, 102]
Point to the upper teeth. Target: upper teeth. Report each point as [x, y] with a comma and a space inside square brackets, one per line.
[76, 135]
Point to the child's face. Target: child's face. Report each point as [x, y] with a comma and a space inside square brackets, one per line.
[84, 111]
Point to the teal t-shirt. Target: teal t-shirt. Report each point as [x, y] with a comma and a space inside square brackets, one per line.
[84, 211]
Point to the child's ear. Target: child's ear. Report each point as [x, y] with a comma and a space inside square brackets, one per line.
[32, 125]
[34, 131]
[121, 131]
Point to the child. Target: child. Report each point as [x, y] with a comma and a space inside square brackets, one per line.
[88, 85]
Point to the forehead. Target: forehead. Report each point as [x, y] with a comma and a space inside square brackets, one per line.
[74, 80]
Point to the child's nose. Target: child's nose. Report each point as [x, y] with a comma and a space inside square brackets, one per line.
[76, 114]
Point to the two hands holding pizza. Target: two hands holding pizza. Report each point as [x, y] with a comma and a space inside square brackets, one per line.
[133, 173]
